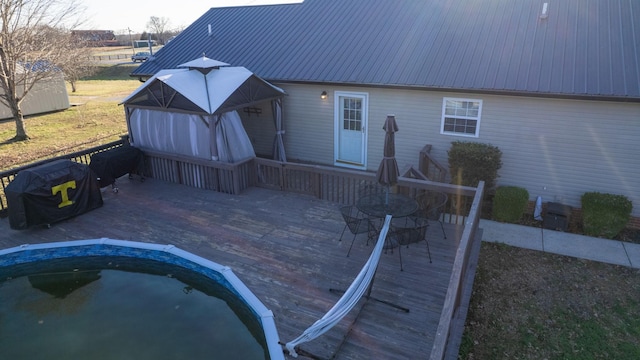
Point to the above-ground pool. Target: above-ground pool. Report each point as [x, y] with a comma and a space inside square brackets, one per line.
[112, 299]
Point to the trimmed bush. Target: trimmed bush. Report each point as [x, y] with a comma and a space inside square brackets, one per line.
[605, 215]
[470, 162]
[509, 203]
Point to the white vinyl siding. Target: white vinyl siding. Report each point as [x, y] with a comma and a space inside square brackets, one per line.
[561, 149]
[260, 128]
[555, 148]
[309, 123]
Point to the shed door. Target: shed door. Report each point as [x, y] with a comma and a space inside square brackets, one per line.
[350, 129]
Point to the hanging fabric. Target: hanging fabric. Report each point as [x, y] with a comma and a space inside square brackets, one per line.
[232, 141]
[278, 142]
[350, 298]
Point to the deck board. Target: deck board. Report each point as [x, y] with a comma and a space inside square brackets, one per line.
[285, 248]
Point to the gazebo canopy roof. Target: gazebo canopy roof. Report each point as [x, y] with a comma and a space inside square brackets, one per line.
[203, 86]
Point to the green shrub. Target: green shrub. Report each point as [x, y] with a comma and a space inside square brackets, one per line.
[605, 215]
[470, 162]
[509, 203]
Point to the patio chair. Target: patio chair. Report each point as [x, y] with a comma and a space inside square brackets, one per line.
[391, 241]
[409, 230]
[356, 221]
[431, 206]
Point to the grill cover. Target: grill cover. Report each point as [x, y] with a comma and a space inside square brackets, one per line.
[112, 164]
[51, 192]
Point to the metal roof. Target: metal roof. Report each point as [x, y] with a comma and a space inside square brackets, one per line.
[577, 48]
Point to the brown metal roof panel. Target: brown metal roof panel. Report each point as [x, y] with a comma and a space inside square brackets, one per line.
[629, 51]
[579, 48]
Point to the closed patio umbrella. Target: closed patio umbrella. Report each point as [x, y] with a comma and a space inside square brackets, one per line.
[388, 170]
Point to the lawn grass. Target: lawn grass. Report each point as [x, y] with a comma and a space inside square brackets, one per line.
[113, 73]
[532, 305]
[94, 118]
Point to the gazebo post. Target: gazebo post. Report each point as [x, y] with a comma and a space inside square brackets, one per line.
[213, 143]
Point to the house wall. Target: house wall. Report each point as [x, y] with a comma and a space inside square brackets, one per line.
[564, 148]
[308, 124]
[558, 149]
[46, 96]
[260, 128]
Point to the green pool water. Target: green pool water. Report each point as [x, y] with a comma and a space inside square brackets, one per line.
[68, 311]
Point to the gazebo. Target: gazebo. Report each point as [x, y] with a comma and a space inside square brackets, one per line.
[192, 111]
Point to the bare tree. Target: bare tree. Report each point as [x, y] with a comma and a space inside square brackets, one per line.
[78, 62]
[159, 27]
[30, 51]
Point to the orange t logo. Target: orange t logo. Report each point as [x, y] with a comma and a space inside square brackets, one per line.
[62, 189]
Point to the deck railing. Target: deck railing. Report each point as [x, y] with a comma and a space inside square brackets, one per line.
[231, 178]
[431, 167]
[331, 184]
[446, 344]
[341, 186]
[83, 157]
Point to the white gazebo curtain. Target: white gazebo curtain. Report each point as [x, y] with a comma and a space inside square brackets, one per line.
[278, 142]
[176, 133]
[191, 134]
[232, 141]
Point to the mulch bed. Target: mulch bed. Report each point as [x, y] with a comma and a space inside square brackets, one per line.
[575, 225]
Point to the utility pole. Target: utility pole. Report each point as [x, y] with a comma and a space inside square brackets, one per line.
[133, 48]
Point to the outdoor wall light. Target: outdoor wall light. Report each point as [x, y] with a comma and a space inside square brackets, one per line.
[323, 96]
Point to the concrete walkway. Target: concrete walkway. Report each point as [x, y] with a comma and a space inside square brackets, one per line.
[557, 242]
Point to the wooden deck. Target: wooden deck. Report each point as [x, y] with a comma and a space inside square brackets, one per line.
[284, 247]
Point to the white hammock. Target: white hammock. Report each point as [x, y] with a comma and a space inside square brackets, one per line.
[350, 298]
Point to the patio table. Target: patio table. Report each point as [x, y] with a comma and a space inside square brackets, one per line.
[382, 204]
[378, 206]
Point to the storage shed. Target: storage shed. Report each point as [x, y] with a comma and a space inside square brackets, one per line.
[46, 96]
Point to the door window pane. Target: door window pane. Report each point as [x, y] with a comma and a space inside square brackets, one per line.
[352, 114]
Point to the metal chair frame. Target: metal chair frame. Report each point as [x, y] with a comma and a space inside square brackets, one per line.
[357, 222]
[408, 230]
[431, 206]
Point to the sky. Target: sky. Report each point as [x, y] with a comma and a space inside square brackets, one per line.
[122, 15]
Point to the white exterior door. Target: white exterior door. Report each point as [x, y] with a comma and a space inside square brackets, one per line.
[350, 129]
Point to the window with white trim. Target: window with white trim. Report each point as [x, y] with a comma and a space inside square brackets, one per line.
[461, 117]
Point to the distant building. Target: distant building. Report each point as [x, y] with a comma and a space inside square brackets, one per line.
[144, 43]
[96, 37]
